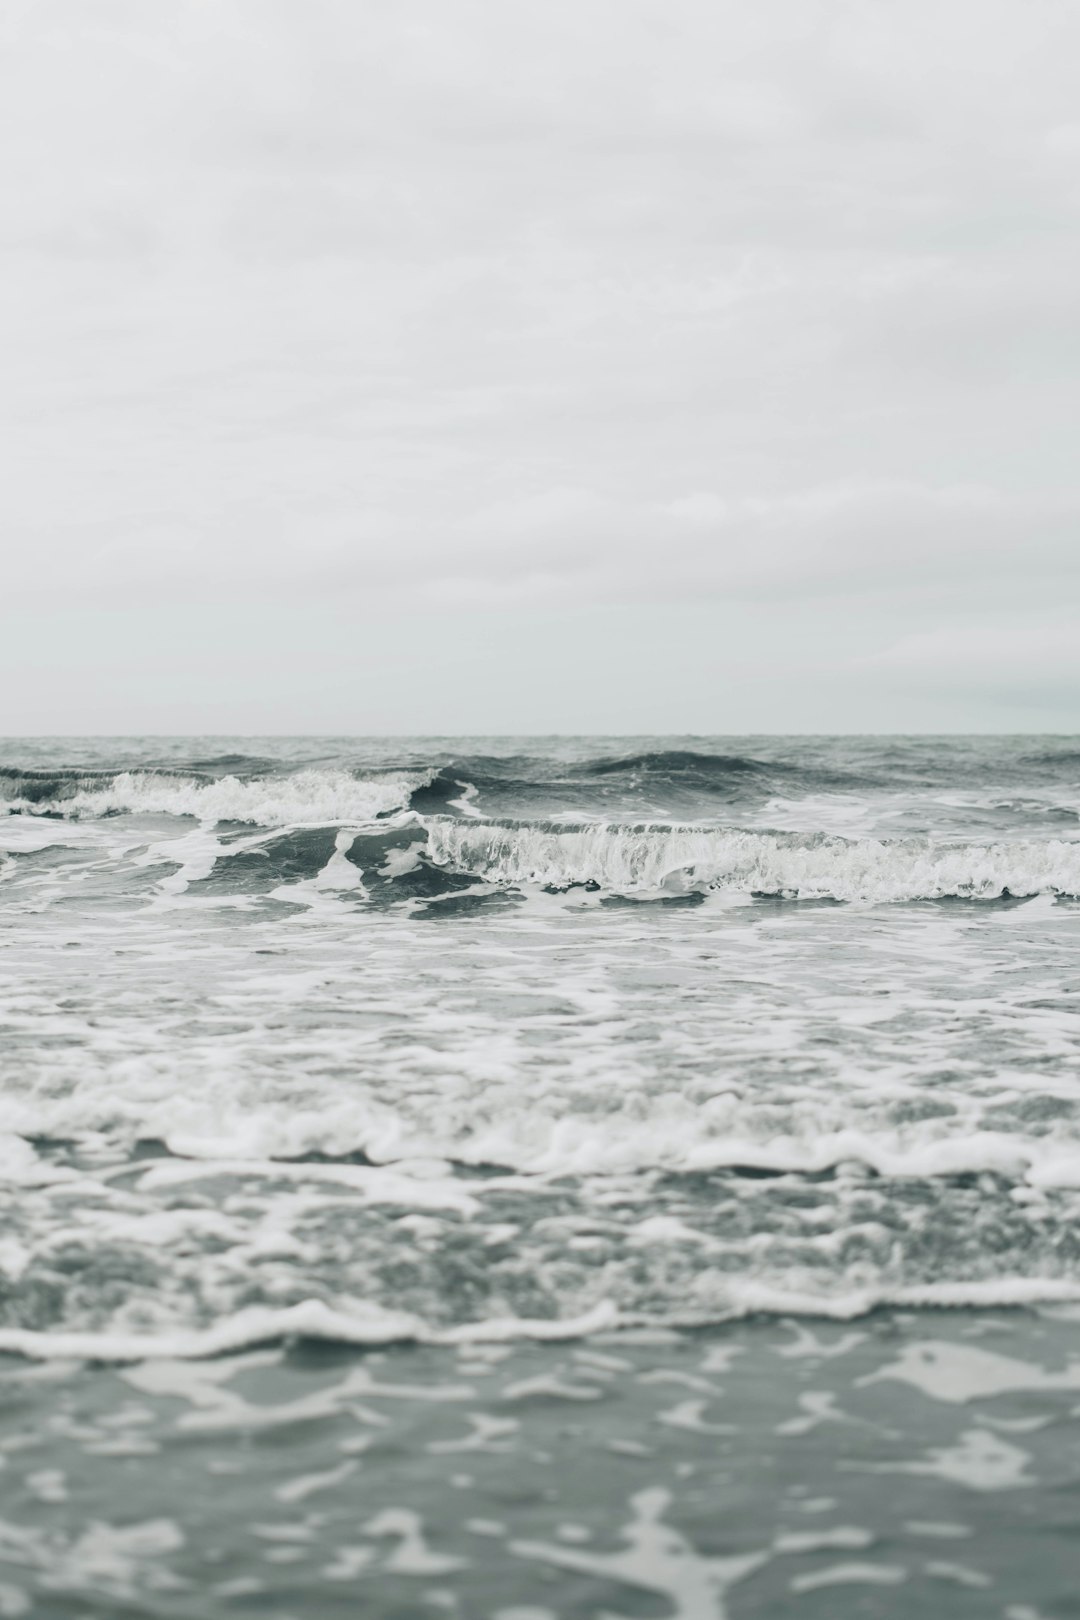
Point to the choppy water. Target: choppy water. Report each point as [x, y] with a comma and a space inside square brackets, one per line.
[527, 1043]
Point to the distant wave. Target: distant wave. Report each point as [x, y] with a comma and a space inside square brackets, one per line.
[684, 784]
[241, 788]
[306, 797]
[677, 773]
[1054, 758]
[675, 762]
[57, 789]
[665, 781]
[723, 774]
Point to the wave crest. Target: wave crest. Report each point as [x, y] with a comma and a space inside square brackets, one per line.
[305, 798]
[682, 860]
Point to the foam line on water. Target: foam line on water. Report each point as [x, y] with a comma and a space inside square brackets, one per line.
[311, 1319]
[372, 1326]
[374, 1184]
[531, 1143]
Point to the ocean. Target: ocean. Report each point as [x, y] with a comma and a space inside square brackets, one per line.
[540, 1178]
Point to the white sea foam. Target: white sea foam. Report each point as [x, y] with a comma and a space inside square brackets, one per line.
[372, 1325]
[980, 1460]
[670, 859]
[958, 1373]
[491, 1101]
[306, 798]
[657, 1559]
[375, 1185]
[311, 1319]
[693, 1112]
[850, 1574]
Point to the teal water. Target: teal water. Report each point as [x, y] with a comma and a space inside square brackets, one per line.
[686, 1131]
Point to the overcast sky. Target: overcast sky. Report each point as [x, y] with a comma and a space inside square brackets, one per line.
[498, 365]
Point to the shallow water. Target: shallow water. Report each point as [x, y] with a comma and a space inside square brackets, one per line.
[916, 1464]
[492, 1054]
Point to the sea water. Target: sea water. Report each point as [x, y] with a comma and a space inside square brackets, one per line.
[539, 1178]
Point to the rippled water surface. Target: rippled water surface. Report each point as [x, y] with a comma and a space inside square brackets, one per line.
[588, 1078]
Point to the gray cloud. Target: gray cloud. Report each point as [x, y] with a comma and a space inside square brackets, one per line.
[766, 312]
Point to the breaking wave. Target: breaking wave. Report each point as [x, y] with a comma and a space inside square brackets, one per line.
[58, 790]
[304, 798]
[372, 826]
[683, 860]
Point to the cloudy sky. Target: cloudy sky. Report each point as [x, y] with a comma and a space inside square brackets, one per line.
[498, 365]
